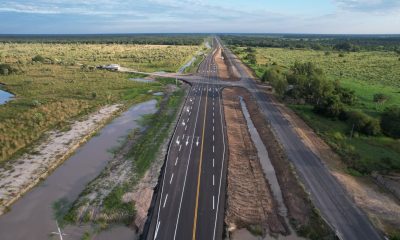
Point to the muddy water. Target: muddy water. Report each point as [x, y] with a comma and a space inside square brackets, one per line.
[5, 96]
[265, 161]
[269, 172]
[32, 216]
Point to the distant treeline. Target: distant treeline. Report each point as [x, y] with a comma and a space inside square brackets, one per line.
[158, 39]
[316, 42]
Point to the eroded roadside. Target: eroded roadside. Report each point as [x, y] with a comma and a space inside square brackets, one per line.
[302, 215]
[22, 174]
[123, 192]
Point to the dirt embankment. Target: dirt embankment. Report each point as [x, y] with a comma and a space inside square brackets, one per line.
[226, 71]
[301, 212]
[382, 208]
[25, 172]
[249, 199]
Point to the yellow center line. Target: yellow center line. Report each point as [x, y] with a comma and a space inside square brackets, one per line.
[200, 165]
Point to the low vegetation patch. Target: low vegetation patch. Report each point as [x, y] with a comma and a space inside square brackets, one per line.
[353, 103]
[57, 83]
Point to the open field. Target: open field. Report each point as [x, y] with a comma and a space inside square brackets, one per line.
[367, 73]
[58, 89]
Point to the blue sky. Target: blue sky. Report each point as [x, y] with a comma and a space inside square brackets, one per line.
[149, 16]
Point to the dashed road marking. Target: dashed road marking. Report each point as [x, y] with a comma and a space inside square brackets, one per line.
[176, 161]
[172, 177]
[180, 147]
[165, 200]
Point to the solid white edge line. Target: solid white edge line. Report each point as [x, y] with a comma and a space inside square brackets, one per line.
[222, 167]
[169, 149]
[187, 167]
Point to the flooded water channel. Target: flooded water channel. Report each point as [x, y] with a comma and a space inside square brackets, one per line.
[31, 217]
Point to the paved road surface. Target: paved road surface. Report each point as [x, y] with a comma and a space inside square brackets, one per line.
[190, 203]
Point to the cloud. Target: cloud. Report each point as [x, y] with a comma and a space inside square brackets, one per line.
[377, 6]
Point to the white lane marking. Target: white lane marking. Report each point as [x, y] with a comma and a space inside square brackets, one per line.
[187, 140]
[177, 140]
[213, 128]
[213, 137]
[213, 162]
[187, 120]
[213, 148]
[172, 177]
[197, 142]
[169, 149]
[213, 202]
[176, 161]
[187, 168]
[183, 122]
[185, 127]
[157, 228]
[165, 201]
[213, 120]
[213, 179]
[180, 147]
[222, 167]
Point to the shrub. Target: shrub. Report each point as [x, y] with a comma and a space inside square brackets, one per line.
[38, 58]
[363, 123]
[6, 69]
[330, 106]
[390, 122]
[380, 98]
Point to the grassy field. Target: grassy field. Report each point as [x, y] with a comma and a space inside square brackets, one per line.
[50, 94]
[367, 73]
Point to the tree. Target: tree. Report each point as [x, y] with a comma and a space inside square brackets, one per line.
[330, 106]
[6, 69]
[363, 123]
[276, 79]
[390, 122]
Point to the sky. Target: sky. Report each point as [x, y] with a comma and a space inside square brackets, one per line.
[194, 16]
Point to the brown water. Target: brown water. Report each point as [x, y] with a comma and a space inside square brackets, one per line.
[31, 217]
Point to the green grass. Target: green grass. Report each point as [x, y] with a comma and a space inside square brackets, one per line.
[145, 150]
[367, 73]
[49, 96]
[365, 154]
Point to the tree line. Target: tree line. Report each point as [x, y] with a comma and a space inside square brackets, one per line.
[316, 42]
[306, 83]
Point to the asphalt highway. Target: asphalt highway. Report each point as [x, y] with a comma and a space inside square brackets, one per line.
[191, 197]
[190, 203]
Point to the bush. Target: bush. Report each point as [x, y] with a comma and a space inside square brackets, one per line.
[363, 123]
[38, 58]
[276, 79]
[6, 69]
[330, 106]
[390, 122]
[380, 98]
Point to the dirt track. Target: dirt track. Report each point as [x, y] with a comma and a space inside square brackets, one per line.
[250, 201]
[300, 209]
[226, 72]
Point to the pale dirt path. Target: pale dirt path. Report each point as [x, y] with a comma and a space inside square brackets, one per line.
[25, 172]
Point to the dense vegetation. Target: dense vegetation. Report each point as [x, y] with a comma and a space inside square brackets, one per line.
[54, 84]
[351, 100]
[316, 42]
[160, 39]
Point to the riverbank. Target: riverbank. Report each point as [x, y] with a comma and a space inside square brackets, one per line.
[122, 192]
[22, 174]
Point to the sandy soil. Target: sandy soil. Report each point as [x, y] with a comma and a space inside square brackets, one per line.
[25, 172]
[300, 209]
[249, 198]
[382, 208]
[221, 65]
